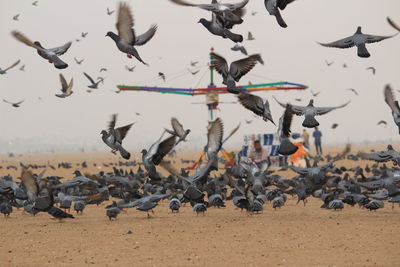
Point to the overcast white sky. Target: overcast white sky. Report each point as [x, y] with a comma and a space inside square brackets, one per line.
[290, 54]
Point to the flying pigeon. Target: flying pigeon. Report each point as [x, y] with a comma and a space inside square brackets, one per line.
[193, 63]
[16, 17]
[353, 90]
[130, 69]
[94, 85]
[250, 36]
[51, 54]
[110, 12]
[162, 76]
[240, 48]
[15, 105]
[315, 94]
[193, 72]
[178, 130]
[394, 25]
[253, 13]
[359, 40]
[236, 70]
[12, 66]
[66, 89]
[126, 40]
[113, 138]
[286, 147]
[382, 122]
[329, 63]
[372, 69]
[393, 104]
[273, 7]
[334, 126]
[310, 112]
[22, 68]
[79, 62]
[257, 105]
[103, 69]
[83, 34]
[248, 121]
[35, 3]
[217, 28]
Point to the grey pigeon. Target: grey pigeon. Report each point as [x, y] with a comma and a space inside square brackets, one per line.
[66, 89]
[310, 112]
[103, 69]
[12, 66]
[22, 68]
[273, 7]
[382, 122]
[5, 208]
[372, 69]
[93, 85]
[79, 206]
[250, 36]
[240, 48]
[199, 208]
[79, 62]
[110, 12]
[59, 214]
[155, 155]
[51, 54]
[215, 27]
[174, 205]
[113, 211]
[16, 104]
[113, 138]
[257, 105]
[83, 34]
[193, 63]
[393, 24]
[16, 17]
[237, 69]
[126, 40]
[359, 40]
[336, 204]
[393, 104]
[162, 76]
[329, 63]
[130, 69]
[334, 126]
[178, 130]
[286, 147]
[193, 72]
[315, 94]
[35, 3]
[353, 90]
[374, 204]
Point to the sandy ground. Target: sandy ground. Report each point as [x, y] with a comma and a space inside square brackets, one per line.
[292, 236]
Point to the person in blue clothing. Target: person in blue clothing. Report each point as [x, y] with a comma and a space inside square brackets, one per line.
[317, 140]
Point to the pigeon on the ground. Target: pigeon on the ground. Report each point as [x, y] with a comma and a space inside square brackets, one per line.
[79, 62]
[113, 138]
[113, 211]
[257, 105]
[310, 112]
[240, 48]
[12, 66]
[16, 104]
[237, 69]
[51, 54]
[359, 40]
[126, 40]
[130, 69]
[393, 24]
[94, 85]
[393, 104]
[273, 7]
[66, 89]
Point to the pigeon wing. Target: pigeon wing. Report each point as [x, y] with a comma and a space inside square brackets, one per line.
[22, 38]
[241, 67]
[122, 131]
[324, 110]
[283, 3]
[389, 99]
[178, 128]
[90, 78]
[163, 149]
[220, 64]
[64, 85]
[342, 43]
[237, 6]
[61, 49]
[111, 124]
[125, 24]
[377, 38]
[13, 65]
[393, 24]
[252, 102]
[287, 120]
[214, 136]
[145, 37]
[29, 182]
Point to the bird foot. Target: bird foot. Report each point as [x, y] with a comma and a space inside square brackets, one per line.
[129, 55]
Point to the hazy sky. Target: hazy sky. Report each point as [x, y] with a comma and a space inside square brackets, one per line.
[290, 54]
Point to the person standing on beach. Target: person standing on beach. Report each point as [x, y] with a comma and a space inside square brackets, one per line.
[317, 140]
[306, 138]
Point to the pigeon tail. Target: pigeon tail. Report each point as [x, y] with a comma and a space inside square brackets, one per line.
[236, 38]
[287, 148]
[310, 122]
[362, 51]
[125, 154]
[280, 20]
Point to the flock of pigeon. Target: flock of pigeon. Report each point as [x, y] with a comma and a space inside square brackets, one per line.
[250, 187]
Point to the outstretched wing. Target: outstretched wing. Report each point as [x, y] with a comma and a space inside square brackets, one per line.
[298, 110]
[214, 136]
[113, 121]
[389, 99]
[89, 78]
[287, 120]
[178, 128]
[220, 64]
[252, 102]
[13, 65]
[125, 23]
[241, 67]
[145, 37]
[393, 24]
[122, 131]
[324, 110]
[342, 43]
[61, 49]
[163, 149]
[22, 38]
[64, 85]
[377, 38]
